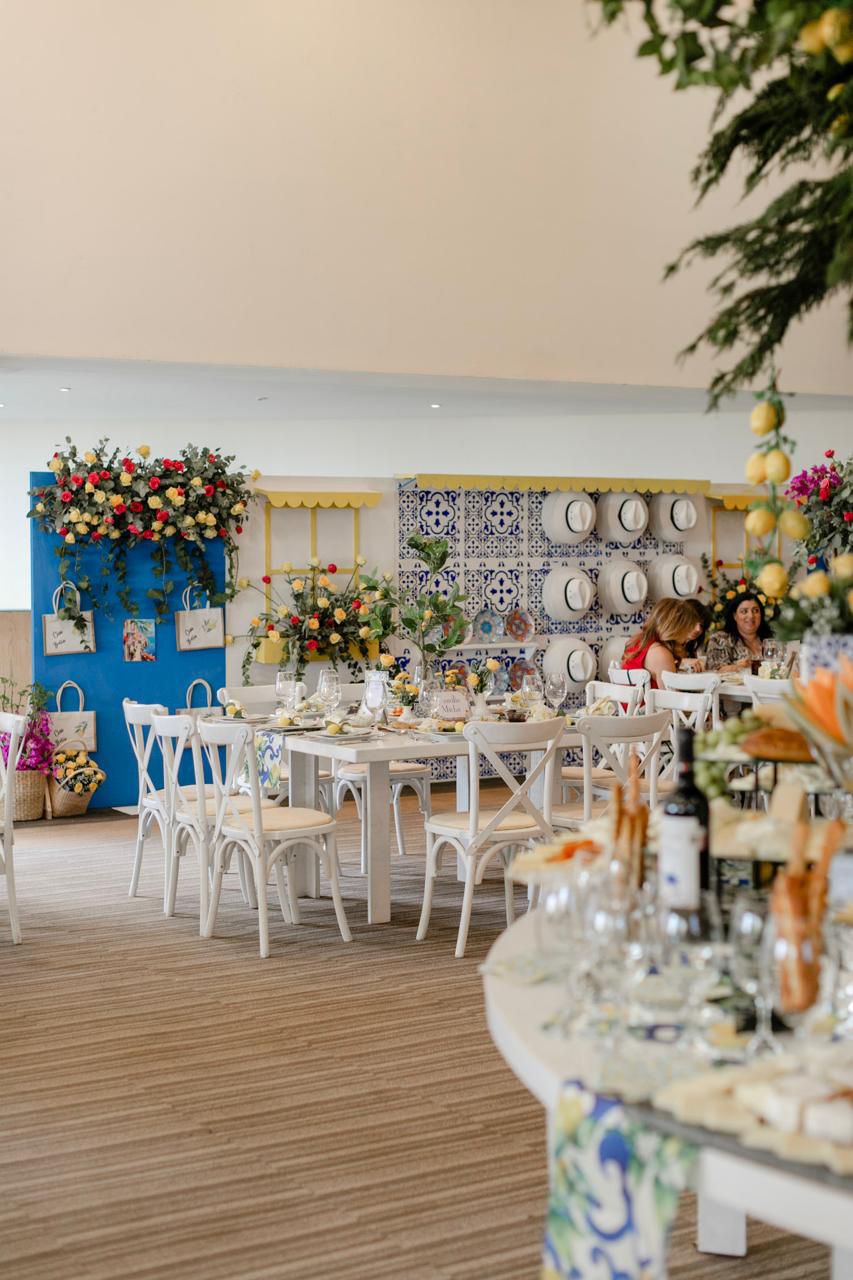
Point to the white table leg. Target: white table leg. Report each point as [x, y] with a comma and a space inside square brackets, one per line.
[463, 800]
[842, 1264]
[377, 798]
[721, 1229]
[302, 794]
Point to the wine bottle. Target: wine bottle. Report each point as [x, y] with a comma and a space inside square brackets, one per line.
[684, 864]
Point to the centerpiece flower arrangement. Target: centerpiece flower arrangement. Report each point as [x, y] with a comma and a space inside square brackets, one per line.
[74, 778]
[824, 495]
[103, 498]
[432, 622]
[313, 617]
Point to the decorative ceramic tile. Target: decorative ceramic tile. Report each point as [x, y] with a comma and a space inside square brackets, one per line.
[494, 523]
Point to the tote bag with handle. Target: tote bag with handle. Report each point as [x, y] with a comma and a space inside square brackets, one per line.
[79, 725]
[207, 708]
[202, 628]
[59, 635]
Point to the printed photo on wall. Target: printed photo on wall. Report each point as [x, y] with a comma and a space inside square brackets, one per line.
[139, 640]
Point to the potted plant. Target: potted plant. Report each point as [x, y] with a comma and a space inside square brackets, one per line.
[35, 754]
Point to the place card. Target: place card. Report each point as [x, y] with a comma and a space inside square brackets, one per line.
[451, 704]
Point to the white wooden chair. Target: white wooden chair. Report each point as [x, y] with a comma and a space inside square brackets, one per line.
[696, 682]
[687, 711]
[13, 729]
[766, 691]
[480, 835]
[150, 799]
[626, 699]
[638, 678]
[612, 738]
[269, 836]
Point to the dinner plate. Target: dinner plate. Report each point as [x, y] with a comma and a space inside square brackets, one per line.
[519, 669]
[520, 626]
[346, 734]
[488, 625]
[435, 736]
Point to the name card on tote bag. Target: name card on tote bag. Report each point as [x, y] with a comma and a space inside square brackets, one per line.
[59, 635]
[80, 725]
[202, 628]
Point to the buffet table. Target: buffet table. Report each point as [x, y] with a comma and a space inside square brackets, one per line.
[731, 1180]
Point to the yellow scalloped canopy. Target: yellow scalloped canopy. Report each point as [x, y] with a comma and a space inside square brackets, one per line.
[602, 484]
[733, 501]
[300, 498]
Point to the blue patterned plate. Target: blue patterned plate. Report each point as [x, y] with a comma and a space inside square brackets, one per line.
[488, 626]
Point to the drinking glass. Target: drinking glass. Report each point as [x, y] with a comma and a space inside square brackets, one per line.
[286, 690]
[376, 694]
[329, 690]
[556, 688]
[773, 651]
[694, 957]
[531, 690]
[750, 967]
[793, 964]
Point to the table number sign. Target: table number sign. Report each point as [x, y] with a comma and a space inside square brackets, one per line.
[451, 704]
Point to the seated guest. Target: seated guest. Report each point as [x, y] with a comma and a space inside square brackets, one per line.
[662, 643]
[738, 644]
[695, 659]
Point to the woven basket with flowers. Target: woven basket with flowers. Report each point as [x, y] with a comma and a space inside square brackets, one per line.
[74, 778]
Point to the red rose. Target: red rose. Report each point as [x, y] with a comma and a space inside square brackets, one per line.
[311, 644]
[55, 454]
[129, 466]
[220, 484]
[830, 453]
[66, 496]
[63, 530]
[154, 483]
[105, 475]
[178, 466]
[848, 516]
[823, 492]
[77, 480]
[209, 490]
[147, 534]
[184, 535]
[812, 560]
[211, 457]
[93, 477]
[356, 604]
[119, 509]
[266, 578]
[223, 533]
[294, 621]
[270, 626]
[162, 515]
[131, 528]
[136, 506]
[315, 615]
[332, 568]
[238, 528]
[95, 535]
[167, 462]
[330, 622]
[108, 520]
[181, 491]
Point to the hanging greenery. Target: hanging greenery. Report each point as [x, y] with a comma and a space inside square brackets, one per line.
[794, 60]
[175, 506]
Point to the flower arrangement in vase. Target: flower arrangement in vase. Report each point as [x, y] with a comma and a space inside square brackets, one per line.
[35, 752]
[114, 501]
[312, 618]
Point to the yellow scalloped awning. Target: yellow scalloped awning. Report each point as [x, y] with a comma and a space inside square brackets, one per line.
[733, 500]
[602, 484]
[338, 498]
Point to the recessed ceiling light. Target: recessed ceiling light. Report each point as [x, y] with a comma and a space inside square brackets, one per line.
[2, 406]
[435, 406]
[64, 388]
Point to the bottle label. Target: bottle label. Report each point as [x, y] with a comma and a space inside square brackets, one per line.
[680, 843]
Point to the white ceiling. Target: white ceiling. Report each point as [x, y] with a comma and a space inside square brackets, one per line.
[109, 392]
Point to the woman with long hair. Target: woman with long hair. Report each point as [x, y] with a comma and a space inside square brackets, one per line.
[662, 643]
[738, 644]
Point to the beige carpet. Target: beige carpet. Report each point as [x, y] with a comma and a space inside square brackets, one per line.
[182, 1109]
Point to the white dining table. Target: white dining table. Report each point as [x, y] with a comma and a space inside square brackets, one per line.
[306, 749]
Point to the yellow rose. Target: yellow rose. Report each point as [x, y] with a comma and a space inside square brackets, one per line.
[90, 457]
[323, 581]
[412, 689]
[810, 38]
[815, 585]
[313, 624]
[387, 576]
[364, 632]
[74, 515]
[78, 787]
[55, 464]
[170, 531]
[760, 522]
[718, 608]
[314, 562]
[178, 500]
[171, 492]
[834, 26]
[93, 786]
[208, 533]
[100, 497]
[282, 611]
[144, 451]
[755, 470]
[88, 487]
[189, 521]
[843, 53]
[255, 622]
[850, 600]
[287, 566]
[229, 640]
[387, 660]
[69, 537]
[360, 560]
[472, 680]
[763, 418]
[427, 614]
[114, 499]
[39, 506]
[273, 635]
[364, 612]
[793, 524]
[196, 482]
[340, 615]
[114, 533]
[334, 638]
[238, 508]
[777, 466]
[298, 584]
[322, 602]
[772, 580]
[842, 566]
[492, 664]
[125, 479]
[242, 583]
[834, 92]
[730, 595]
[81, 528]
[154, 502]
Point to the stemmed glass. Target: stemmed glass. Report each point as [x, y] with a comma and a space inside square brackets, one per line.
[329, 690]
[376, 695]
[531, 690]
[556, 688]
[694, 957]
[286, 690]
[748, 933]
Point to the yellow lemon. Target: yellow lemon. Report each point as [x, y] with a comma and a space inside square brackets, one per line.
[842, 566]
[333, 727]
[777, 466]
[760, 522]
[834, 26]
[763, 418]
[793, 524]
[811, 38]
[755, 470]
[773, 580]
[843, 53]
[815, 585]
[834, 92]
[459, 726]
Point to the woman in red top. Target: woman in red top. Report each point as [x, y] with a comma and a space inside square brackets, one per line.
[662, 643]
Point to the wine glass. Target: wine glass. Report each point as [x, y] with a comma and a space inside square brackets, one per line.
[286, 690]
[531, 690]
[376, 695]
[793, 963]
[556, 688]
[694, 957]
[329, 690]
[750, 968]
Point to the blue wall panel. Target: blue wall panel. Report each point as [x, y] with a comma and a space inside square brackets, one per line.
[104, 676]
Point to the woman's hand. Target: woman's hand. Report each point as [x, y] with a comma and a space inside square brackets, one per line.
[694, 665]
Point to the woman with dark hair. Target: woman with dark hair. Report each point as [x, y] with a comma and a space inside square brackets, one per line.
[738, 644]
[662, 642]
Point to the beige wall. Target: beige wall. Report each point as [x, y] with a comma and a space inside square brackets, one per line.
[444, 186]
[16, 647]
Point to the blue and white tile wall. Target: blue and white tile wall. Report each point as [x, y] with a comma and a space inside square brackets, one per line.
[500, 557]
